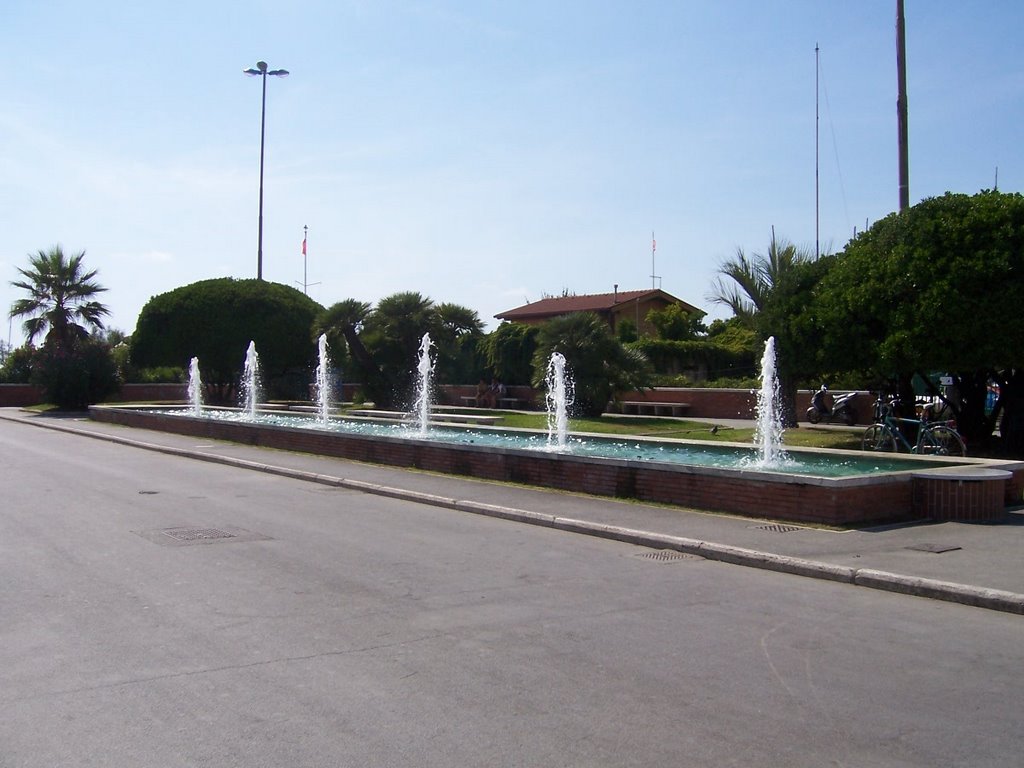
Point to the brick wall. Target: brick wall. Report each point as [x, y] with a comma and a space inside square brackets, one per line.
[760, 495]
[20, 395]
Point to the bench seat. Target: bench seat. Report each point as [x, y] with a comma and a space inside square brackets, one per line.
[649, 408]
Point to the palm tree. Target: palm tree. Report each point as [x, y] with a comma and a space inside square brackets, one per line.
[599, 363]
[746, 282]
[343, 321]
[746, 285]
[61, 299]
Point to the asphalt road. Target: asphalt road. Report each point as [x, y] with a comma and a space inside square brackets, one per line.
[335, 628]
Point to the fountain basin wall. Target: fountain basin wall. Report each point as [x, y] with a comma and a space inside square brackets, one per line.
[797, 498]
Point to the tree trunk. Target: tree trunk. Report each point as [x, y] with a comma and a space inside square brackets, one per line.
[787, 394]
[1011, 397]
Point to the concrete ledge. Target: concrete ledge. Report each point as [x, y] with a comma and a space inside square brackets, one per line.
[980, 597]
[781, 563]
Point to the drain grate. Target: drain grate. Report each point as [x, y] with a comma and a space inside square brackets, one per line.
[183, 536]
[777, 528]
[667, 556]
[197, 534]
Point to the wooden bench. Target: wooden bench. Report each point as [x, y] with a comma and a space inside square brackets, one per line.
[648, 408]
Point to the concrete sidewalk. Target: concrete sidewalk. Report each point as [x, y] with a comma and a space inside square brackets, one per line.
[974, 564]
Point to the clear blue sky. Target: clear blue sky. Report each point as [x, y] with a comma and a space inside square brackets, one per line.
[483, 153]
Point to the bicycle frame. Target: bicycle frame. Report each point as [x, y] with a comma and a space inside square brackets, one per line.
[933, 437]
[892, 424]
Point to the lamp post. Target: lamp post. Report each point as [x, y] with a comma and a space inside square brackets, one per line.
[261, 70]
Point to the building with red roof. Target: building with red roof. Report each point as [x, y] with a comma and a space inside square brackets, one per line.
[613, 307]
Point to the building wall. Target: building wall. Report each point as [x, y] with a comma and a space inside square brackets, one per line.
[636, 312]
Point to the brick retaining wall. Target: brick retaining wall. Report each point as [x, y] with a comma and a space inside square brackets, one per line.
[842, 501]
[20, 395]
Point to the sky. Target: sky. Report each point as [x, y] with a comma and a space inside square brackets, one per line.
[482, 153]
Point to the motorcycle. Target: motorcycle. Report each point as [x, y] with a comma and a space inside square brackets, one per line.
[842, 408]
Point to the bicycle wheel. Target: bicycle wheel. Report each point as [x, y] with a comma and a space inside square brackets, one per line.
[940, 440]
[878, 437]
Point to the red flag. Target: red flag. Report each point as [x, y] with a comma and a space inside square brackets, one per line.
[303, 245]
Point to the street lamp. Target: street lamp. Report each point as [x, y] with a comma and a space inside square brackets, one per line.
[262, 71]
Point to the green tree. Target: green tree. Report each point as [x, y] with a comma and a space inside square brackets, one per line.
[342, 323]
[72, 368]
[626, 331]
[746, 282]
[509, 351]
[600, 364]
[459, 338]
[383, 342]
[75, 374]
[61, 299]
[759, 289]
[937, 288]
[17, 367]
[733, 334]
[673, 323]
[215, 320]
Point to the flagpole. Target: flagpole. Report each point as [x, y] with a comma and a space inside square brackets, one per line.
[654, 246]
[305, 261]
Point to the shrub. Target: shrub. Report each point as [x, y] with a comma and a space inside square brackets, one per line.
[215, 320]
[17, 368]
[697, 359]
[74, 375]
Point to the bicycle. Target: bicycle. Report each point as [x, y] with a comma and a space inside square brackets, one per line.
[933, 438]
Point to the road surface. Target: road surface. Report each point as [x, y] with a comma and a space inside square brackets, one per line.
[157, 611]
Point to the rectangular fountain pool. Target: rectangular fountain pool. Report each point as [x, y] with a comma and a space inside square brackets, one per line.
[830, 487]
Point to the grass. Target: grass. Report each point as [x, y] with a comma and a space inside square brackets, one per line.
[807, 437]
[42, 408]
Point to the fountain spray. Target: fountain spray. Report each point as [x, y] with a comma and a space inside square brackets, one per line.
[195, 387]
[768, 435]
[559, 397]
[425, 371]
[323, 381]
[251, 382]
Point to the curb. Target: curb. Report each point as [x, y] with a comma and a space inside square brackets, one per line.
[935, 589]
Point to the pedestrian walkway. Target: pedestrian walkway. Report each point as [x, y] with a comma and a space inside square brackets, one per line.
[976, 564]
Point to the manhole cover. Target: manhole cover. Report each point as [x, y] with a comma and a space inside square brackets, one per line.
[937, 549]
[667, 556]
[197, 534]
[777, 528]
[182, 536]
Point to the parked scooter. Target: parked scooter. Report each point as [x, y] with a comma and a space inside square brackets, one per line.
[842, 408]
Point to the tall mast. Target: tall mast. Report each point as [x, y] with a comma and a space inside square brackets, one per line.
[817, 216]
[901, 105]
